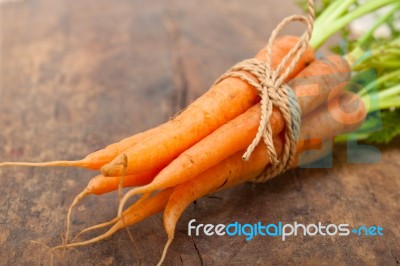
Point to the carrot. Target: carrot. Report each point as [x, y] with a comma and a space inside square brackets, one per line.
[220, 104]
[228, 139]
[132, 215]
[323, 80]
[98, 158]
[342, 114]
[280, 49]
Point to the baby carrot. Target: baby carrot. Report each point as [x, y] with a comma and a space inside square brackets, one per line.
[96, 159]
[342, 114]
[321, 81]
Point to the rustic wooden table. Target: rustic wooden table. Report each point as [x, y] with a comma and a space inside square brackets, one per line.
[78, 75]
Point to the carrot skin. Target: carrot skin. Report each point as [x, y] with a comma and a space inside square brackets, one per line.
[281, 47]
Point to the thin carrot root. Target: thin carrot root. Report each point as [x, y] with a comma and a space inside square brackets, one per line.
[77, 199]
[94, 227]
[98, 158]
[124, 163]
[114, 220]
[78, 163]
[166, 247]
[123, 201]
[140, 210]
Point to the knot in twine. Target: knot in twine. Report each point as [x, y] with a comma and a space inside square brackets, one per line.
[273, 91]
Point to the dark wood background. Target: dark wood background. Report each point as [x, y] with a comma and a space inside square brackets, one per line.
[78, 75]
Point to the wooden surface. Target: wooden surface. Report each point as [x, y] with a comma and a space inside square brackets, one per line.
[78, 75]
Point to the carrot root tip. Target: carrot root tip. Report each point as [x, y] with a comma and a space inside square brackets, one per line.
[76, 201]
[164, 254]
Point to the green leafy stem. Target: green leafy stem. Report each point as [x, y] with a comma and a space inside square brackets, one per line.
[382, 94]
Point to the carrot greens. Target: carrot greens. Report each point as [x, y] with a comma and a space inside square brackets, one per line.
[375, 61]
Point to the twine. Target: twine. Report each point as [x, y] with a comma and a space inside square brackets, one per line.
[274, 92]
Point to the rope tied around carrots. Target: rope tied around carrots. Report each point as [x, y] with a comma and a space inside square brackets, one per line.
[274, 92]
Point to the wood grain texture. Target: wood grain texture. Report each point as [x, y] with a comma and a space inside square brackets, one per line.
[78, 75]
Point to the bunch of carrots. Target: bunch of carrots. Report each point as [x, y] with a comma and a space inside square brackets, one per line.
[200, 150]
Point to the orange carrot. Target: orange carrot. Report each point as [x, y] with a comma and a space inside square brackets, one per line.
[223, 102]
[280, 49]
[342, 114]
[321, 81]
[98, 158]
